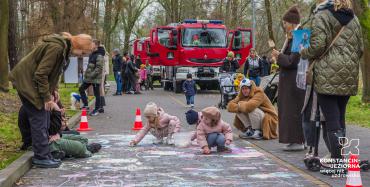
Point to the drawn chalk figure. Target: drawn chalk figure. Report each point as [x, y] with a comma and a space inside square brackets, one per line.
[349, 147]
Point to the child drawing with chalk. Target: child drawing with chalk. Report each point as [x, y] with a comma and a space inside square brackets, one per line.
[212, 131]
[160, 124]
[193, 118]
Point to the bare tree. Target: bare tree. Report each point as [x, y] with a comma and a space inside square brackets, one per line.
[130, 14]
[12, 34]
[4, 21]
[362, 11]
[269, 20]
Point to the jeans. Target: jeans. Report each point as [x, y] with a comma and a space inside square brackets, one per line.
[34, 124]
[96, 88]
[216, 139]
[189, 99]
[256, 80]
[118, 78]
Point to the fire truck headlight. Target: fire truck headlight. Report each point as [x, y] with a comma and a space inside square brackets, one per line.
[238, 56]
[170, 55]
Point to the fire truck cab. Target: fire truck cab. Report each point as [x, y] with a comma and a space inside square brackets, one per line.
[197, 47]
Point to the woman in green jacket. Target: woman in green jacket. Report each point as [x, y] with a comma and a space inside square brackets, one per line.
[35, 77]
[336, 68]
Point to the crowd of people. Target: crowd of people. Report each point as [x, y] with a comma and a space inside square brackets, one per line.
[332, 77]
[130, 74]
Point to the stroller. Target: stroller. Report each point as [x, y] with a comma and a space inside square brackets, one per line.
[227, 89]
[270, 86]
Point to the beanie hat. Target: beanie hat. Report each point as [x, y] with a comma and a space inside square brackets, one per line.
[151, 109]
[189, 76]
[292, 15]
[212, 113]
[245, 82]
[230, 54]
[192, 117]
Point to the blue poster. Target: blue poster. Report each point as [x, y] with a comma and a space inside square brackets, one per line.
[301, 38]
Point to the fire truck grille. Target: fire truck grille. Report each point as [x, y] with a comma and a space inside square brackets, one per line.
[201, 60]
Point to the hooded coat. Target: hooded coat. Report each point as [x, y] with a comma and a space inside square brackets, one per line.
[94, 70]
[256, 99]
[37, 74]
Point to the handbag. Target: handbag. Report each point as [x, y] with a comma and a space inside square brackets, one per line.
[309, 73]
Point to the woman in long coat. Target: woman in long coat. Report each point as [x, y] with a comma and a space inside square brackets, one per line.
[290, 98]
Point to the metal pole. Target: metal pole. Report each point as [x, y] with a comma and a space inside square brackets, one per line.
[254, 23]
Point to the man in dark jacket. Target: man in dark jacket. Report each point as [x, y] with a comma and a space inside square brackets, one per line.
[124, 78]
[130, 73]
[253, 67]
[117, 68]
[266, 66]
[35, 77]
[230, 63]
[138, 62]
[93, 76]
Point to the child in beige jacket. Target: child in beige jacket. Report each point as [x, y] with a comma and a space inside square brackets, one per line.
[160, 124]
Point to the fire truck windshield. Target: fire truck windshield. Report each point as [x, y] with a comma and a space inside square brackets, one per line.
[198, 37]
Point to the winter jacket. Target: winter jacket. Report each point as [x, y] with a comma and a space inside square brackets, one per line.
[138, 63]
[143, 74]
[37, 74]
[130, 68]
[189, 87]
[117, 63]
[204, 129]
[337, 72]
[165, 120]
[253, 70]
[256, 99]
[94, 70]
[229, 66]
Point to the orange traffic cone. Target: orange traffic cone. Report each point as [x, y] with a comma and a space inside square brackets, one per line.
[138, 125]
[84, 125]
[353, 174]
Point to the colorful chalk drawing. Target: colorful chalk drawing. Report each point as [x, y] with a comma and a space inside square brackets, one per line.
[274, 175]
[161, 165]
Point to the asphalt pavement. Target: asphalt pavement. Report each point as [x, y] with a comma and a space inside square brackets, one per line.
[259, 164]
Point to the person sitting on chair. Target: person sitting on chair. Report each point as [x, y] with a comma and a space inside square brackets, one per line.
[255, 116]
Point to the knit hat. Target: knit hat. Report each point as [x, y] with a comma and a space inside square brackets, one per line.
[292, 15]
[151, 109]
[245, 82]
[212, 113]
[230, 54]
[192, 117]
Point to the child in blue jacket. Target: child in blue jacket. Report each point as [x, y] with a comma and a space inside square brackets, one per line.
[190, 90]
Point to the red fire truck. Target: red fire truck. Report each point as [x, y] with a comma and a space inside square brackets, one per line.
[193, 46]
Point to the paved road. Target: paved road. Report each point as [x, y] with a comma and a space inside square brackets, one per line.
[149, 165]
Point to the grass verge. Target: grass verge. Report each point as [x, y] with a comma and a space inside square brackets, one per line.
[358, 113]
[10, 137]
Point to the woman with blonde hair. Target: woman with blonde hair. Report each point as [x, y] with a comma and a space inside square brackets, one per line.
[35, 77]
[335, 52]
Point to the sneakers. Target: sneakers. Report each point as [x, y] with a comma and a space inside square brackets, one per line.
[224, 150]
[58, 155]
[26, 147]
[257, 135]
[192, 106]
[94, 112]
[48, 163]
[294, 147]
[247, 134]
[158, 141]
[93, 147]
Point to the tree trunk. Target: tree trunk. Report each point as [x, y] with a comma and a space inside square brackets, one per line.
[107, 23]
[234, 14]
[4, 22]
[269, 20]
[12, 51]
[126, 44]
[362, 10]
